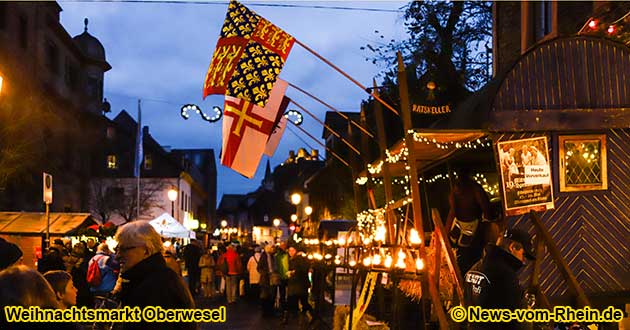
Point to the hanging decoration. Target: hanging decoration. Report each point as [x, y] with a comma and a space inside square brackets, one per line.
[364, 300]
[294, 116]
[217, 113]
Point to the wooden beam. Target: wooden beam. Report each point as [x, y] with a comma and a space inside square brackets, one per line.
[558, 120]
[387, 178]
[442, 237]
[557, 257]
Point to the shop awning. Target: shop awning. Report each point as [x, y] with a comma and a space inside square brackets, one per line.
[430, 147]
[34, 223]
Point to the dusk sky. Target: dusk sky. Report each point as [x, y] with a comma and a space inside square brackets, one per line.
[159, 53]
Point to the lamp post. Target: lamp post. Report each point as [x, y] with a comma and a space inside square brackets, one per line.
[276, 223]
[296, 198]
[172, 196]
[308, 210]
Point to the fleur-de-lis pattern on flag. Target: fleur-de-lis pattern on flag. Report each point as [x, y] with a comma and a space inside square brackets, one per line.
[249, 56]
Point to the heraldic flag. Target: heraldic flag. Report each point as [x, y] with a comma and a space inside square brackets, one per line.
[278, 129]
[246, 129]
[248, 58]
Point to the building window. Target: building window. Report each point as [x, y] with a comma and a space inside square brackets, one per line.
[112, 162]
[52, 57]
[582, 162]
[111, 133]
[148, 162]
[182, 200]
[23, 31]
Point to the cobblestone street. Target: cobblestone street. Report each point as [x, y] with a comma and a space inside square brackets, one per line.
[246, 314]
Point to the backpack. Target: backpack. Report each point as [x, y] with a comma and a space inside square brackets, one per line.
[94, 273]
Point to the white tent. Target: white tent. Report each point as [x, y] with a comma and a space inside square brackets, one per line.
[167, 226]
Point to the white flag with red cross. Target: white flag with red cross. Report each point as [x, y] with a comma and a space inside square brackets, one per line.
[246, 129]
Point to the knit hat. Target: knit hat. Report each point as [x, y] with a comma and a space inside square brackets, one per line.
[9, 254]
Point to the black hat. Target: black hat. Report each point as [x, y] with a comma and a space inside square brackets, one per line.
[9, 254]
[523, 237]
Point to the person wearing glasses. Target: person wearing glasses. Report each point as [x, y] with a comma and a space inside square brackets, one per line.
[146, 280]
[492, 283]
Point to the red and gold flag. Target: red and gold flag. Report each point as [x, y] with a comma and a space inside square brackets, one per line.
[246, 130]
[249, 56]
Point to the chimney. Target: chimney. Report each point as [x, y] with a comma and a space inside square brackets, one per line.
[145, 130]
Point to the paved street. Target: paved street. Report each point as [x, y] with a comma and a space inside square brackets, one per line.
[247, 315]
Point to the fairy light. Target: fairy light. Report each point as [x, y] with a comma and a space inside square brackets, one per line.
[400, 263]
[388, 261]
[419, 264]
[376, 260]
[414, 237]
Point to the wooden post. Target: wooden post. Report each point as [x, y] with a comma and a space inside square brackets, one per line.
[557, 257]
[387, 179]
[450, 256]
[541, 299]
[413, 183]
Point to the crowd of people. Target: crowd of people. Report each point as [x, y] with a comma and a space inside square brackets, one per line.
[144, 271]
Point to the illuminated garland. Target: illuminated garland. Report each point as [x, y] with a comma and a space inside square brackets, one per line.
[480, 178]
[369, 222]
[193, 107]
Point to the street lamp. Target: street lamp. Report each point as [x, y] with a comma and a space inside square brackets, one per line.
[296, 198]
[223, 223]
[276, 223]
[172, 196]
[308, 210]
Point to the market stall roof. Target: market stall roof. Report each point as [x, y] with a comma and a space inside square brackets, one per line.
[430, 147]
[34, 223]
[167, 226]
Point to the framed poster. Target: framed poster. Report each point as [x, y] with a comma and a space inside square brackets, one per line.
[525, 175]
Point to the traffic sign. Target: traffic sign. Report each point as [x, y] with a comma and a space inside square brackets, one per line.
[48, 190]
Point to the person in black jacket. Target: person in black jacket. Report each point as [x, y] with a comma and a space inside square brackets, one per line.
[146, 280]
[298, 284]
[492, 283]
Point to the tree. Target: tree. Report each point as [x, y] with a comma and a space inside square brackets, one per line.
[119, 196]
[449, 43]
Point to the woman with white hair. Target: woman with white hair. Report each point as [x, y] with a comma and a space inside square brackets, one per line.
[146, 280]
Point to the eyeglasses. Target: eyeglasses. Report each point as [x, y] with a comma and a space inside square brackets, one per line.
[120, 249]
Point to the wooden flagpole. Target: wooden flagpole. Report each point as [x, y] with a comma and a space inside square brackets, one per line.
[363, 129]
[376, 97]
[328, 128]
[321, 144]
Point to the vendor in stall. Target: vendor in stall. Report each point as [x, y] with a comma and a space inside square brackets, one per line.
[469, 206]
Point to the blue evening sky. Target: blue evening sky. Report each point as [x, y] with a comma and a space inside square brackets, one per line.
[159, 52]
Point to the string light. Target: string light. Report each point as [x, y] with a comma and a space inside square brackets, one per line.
[217, 113]
[298, 118]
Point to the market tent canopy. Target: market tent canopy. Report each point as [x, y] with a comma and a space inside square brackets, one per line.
[34, 223]
[430, 147]
[167, 226]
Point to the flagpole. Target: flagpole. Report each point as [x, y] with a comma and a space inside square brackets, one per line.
[328, 128]
[376, 97]
[321, 144]
[138, 161]
[363, 129]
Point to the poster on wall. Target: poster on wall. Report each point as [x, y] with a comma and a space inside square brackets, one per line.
[525, 175]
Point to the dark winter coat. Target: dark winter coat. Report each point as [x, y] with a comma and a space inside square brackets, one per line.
[492, 283]
[152, 283]
[298, 283]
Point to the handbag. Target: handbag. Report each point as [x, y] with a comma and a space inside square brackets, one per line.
[462, 233]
